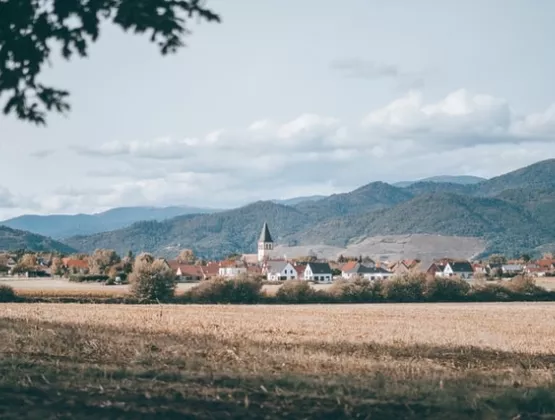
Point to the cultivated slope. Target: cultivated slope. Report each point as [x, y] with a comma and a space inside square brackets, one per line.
[508, 227]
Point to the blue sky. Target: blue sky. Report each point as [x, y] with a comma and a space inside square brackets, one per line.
[289, 98]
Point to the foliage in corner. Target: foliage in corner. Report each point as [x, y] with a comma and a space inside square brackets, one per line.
[30, 29]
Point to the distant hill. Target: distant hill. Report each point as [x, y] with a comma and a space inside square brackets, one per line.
[13, 239]
[449, 179]
[211, 235]
[538, 175]
[296, 200]
[63, 226]
[507, 227]
[512, 213]
[374, 196]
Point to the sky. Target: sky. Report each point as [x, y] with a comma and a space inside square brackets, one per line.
[287, 98]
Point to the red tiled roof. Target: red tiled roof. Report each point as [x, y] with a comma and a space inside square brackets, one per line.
[211, 269]
[74, 263]
[349, 265]
[545, 263]
[300, 268]
[253, 269]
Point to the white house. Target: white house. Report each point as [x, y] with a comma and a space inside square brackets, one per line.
[351, 271]
[231, 269]
[512, 269]
[462, 269]
[318, 272]
[279, 270]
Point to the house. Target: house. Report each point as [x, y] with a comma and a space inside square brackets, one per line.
[211, 270]
[254, 270]
[318, 272]
[479, 269]
[512, 269]
[186, 272]
[76, 266]
[279, 270]
[405, 266]
[300, 269]
[348, 269]
[231, 269]
[535, 270]
[546, 264]
[462, 269]
[435, 268]
[361, 270]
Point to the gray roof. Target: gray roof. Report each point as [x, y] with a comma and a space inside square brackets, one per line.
[512, 267]
[461, 267]
[320, 268]
[265, 234]
[363, 269]
[276, 266]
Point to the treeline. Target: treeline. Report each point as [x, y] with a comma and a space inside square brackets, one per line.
[408, 288]
[152, 282]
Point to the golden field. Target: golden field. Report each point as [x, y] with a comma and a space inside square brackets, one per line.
[274, 361]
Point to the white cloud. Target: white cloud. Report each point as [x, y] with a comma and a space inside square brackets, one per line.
[409, 138]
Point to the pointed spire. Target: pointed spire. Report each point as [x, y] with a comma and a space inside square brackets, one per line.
[265, 234]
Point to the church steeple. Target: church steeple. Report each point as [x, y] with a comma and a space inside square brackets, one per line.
[265, 234]
[265, 243]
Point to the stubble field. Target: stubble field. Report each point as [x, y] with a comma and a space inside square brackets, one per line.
[293, 361]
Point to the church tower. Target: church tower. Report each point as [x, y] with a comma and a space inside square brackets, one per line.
[265, 243]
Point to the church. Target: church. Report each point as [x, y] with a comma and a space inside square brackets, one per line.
[265, 248]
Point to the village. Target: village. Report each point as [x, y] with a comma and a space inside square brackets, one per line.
[106, 266]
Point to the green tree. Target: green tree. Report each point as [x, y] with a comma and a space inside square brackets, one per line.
[57, 266]
[102, 259]
[526, 258]
[187, 256]
[497, 259]
[152, 279]
[31, 29]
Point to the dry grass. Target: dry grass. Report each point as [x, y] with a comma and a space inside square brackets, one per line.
[319, 361]
[62, 288]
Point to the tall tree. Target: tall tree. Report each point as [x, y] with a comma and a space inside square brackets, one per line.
[31, 29]
[186, 256]
[497, 259]
[101, 260]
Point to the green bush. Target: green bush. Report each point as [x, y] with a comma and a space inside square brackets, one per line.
[152, 280]
[88, 278]
[491, 292]
[7, 294]
[296, 291]
[524, 285]
[405, 288]
[242, 289]
[446, 289]
[358, 290]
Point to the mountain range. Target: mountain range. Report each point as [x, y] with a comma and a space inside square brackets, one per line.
[451, 179]
[13, 239]
[61, 226]
[514, 213]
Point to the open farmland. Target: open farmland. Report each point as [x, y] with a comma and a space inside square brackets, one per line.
[309, 361]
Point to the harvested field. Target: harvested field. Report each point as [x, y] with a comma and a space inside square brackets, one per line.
[309, 361]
